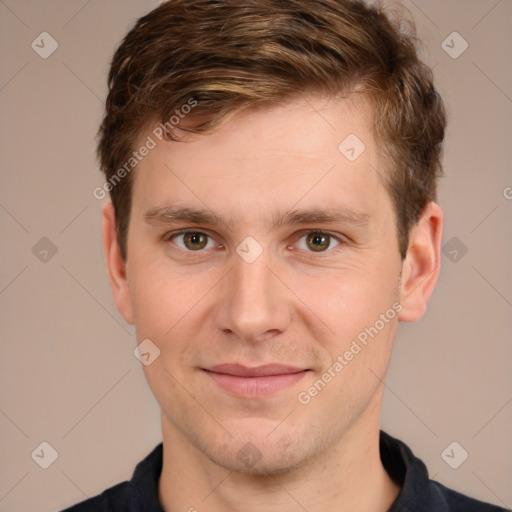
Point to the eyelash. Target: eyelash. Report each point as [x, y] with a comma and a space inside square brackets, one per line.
[171, 236]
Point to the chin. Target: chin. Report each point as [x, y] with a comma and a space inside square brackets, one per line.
[261, 456]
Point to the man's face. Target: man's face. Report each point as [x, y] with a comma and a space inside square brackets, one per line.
[267, 284]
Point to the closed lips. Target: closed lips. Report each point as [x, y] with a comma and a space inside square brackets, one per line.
[258, 371]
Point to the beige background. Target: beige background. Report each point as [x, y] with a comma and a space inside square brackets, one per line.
[68, 373]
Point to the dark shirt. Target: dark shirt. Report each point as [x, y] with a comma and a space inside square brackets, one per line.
[418, 493]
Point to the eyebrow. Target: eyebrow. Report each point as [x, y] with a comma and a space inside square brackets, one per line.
[162, 215]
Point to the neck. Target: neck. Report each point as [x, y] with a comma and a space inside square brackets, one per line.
[348, 476]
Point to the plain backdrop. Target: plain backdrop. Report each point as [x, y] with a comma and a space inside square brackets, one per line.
[68, 374]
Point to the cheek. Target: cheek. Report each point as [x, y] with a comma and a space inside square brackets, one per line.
[171, 309]
[161, 296]
[346, 301]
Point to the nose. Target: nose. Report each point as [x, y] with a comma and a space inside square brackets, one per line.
[253, 303]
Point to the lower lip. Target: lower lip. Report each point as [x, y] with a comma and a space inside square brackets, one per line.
[256, 386]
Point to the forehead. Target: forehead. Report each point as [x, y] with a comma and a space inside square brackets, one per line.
[313, 150]
[307, 124]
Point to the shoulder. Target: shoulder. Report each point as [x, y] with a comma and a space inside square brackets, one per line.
[457, 502]
[112, 499]
[139, 493]
[418, 492]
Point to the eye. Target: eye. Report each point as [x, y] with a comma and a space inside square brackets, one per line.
[317, 241]
[192, 240]
[195, 241]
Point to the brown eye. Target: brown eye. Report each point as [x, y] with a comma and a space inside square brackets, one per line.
[317, 241]
[194, 241]
[191, 240]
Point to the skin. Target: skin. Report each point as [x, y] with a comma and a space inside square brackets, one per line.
[292, 305]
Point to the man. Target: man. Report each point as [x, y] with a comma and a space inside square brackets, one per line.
[272, 167]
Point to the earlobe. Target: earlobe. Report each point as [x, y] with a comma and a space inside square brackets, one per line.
[116, 265]
[421, 267]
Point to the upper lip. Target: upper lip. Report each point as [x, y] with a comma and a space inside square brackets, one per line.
[257, 371]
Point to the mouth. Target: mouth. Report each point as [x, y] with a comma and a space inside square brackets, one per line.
[255, 382]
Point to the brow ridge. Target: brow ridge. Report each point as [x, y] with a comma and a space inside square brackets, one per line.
[161, 215]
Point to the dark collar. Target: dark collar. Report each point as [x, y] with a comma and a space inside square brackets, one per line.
[408, 472]
[417, 494]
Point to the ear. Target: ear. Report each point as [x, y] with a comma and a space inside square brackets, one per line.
[116, 265]
[421, 266]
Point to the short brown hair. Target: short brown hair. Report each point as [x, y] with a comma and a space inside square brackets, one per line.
[229, 55]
